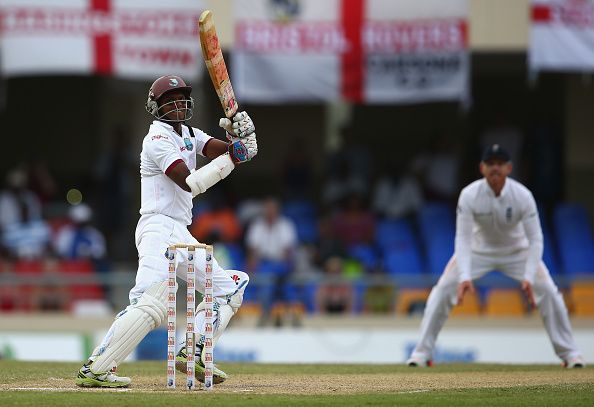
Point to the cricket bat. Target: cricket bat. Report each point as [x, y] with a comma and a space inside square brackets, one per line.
[213, 57]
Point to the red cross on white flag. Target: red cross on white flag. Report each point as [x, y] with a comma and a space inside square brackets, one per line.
[134, 39]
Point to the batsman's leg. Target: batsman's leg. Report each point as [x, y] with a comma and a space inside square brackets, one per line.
[130, 327]
[224, 309]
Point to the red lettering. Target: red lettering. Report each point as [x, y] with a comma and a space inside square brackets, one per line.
[54, 20]
[161, 56]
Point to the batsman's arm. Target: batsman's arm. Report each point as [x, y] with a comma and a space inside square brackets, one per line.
[205, 177]
[238, 151]
[215, 148]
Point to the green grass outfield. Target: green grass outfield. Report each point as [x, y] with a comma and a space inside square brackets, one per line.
[49, 384]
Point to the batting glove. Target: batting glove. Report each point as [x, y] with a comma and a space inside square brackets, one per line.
[241, 126]
[242, 150]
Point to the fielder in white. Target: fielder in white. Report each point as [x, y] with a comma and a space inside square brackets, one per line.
[497, 228]
[169, 181]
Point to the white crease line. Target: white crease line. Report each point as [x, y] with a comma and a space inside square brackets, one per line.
[53, 389]
[413, 391]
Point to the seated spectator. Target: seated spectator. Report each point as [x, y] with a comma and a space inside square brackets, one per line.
[40, 180]
[219, 220]
[271, 243]
[398, 194]
[379, 299]
[27, 238]
[335, 294]
[16, 199]
[354, 224]
[341, 184]
[80, 240]
[54, 296]
[438, 168]
[329, 245]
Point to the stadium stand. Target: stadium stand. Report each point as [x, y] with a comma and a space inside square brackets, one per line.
[411, 300]
[574, 239]
[398, 243]
[471, 306]
[437, 227]
[504, 302]
[304, 214]
[582, 296]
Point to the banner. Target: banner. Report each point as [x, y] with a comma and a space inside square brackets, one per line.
[562, 35]
[373, 51]
[127, 38]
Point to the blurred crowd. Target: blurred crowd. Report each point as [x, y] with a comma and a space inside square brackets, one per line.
[307, 251]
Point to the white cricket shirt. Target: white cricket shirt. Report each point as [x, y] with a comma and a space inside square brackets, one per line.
[271, 242]
[497, 226]
[162, 149]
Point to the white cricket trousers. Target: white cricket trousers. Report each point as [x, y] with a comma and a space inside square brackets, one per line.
[547, 297]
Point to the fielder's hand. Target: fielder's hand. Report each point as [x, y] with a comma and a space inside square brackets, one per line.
[527, 288]
[241, 126]
[463, 288]
[242, 150]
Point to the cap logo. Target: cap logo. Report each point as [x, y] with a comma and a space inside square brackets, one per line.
[173, 82]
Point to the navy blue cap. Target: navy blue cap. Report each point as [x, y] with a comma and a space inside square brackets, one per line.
[495, 152]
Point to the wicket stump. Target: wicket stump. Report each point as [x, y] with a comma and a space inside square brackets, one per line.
[190, 316]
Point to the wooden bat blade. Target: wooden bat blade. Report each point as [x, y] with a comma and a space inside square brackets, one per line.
[215, 64]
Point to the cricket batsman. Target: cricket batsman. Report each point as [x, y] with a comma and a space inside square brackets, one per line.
[169, 182]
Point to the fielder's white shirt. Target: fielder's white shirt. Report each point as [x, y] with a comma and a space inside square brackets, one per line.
[162, 149]
[497, 226]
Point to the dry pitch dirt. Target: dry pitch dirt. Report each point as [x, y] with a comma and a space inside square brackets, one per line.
[397, 383]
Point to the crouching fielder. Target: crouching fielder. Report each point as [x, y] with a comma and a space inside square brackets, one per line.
[169, 181]
[497, 228]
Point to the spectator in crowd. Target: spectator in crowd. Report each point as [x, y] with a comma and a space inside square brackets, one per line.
[115, 175]
[79, 239]
[18, 202]
[271, 243]
[497, 227]
[218, 220]
[354, 223]
[353, 153]
[438, 169]
[398, 193]
[25, 235]
[379, 299]
[349, 169]
[329, 245]
[341, 184]
[40, 181]
[334, 294]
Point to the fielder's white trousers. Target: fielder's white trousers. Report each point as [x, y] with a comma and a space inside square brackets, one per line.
[154, 234]
[548, 299]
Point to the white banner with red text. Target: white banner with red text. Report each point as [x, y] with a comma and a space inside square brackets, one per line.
[138, 39]
[562, 36]
[372, 51]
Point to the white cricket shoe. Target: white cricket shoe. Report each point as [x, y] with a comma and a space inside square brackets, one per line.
[575, 362]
